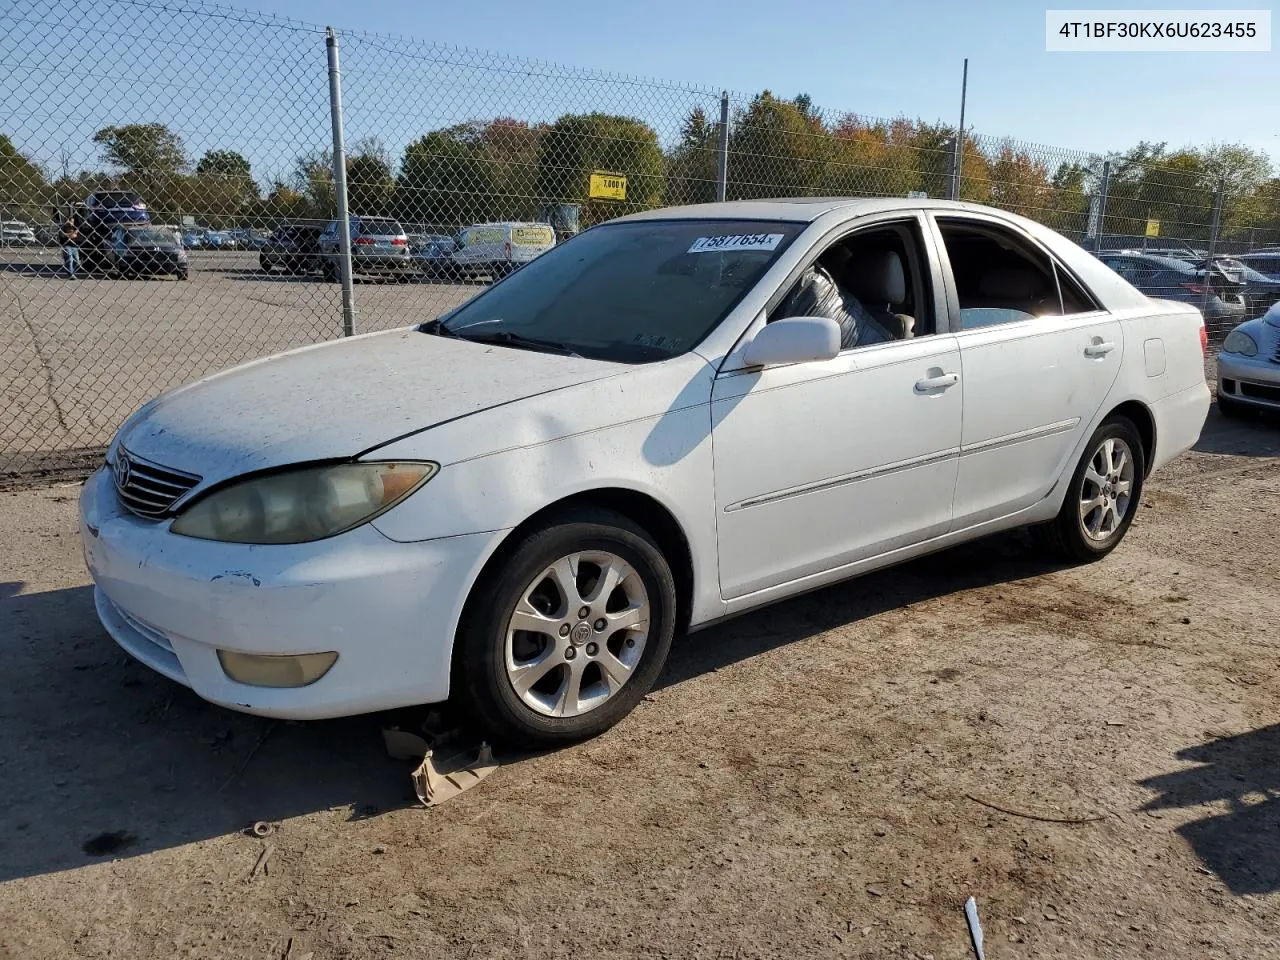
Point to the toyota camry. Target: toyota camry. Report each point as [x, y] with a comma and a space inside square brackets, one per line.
[672, 418]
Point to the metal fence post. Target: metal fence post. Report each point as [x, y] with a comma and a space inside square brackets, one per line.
[1213, 240]
[722, 160]
[1102, 205]
[340, 183]
[958, 163]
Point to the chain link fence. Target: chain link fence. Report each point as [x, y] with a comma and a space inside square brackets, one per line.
[201, 157]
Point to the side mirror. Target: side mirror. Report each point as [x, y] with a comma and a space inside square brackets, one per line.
[793, 340]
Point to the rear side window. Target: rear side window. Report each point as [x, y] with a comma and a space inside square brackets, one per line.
[1003, 278]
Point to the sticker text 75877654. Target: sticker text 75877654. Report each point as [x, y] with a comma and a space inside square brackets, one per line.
[748, 241]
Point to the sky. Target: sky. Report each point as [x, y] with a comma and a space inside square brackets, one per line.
[877, 58]
[223, 81]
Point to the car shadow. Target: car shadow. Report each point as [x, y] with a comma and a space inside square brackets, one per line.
[1242, 845]
[1253, 435]
[104, 758]
[33, 269]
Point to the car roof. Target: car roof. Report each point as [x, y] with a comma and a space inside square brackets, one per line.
[806, 209]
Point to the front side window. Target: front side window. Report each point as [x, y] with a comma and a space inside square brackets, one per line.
[872, 283]
[630, 292]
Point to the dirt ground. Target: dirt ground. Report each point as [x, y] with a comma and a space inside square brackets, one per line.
[807, 781]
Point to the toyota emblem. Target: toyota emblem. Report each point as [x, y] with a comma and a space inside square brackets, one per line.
[120, 469]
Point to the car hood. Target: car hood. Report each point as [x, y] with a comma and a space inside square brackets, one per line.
[339, 399]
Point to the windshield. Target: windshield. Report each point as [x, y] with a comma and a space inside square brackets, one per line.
[631, 292]
[148, 237]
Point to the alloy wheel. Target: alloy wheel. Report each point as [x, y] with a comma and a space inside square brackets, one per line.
[577, 633]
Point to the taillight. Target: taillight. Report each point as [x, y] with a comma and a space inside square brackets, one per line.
[364, 241]
[1204, 338]
[1197, 287]
[400, 242]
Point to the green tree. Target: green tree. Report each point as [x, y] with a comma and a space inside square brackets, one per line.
[578, 144]
[446, 179]
[777, 149]
[693, 165]
[370, 187]
[313, 179]
[145, 150]
[24, 192]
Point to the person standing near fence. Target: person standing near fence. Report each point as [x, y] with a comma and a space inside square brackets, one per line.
[70, 238]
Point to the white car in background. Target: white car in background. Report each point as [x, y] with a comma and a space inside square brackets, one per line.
[669, 419]
[1249, 366]
[496, 249]
[16, 233]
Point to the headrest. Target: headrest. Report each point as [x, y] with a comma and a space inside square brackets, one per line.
[877, 278]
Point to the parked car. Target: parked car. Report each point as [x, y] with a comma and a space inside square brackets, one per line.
[433, 254]
[669, 419]
[1266, 262]
[144, 250]
[1249, 366]
[97, 219]
[1173, 279]
[1261, 292]
[116, 206]
[219, 240]
[16, 233]
[496, 249]
[379, 245]
[192, 239]
[292, 248]
[174, 230]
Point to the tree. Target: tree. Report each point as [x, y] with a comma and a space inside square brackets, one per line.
[693, 166]
[313, 179]
[446, 179]
[776, 149]
[510, 148]
[370, 188]
[147, 150]
[576, 145]
[1019, 183]
[24, 191]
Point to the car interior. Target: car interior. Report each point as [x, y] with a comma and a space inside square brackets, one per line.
[872, 283]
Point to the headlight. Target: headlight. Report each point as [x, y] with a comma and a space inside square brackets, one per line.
[310, 503]
[1240, 342]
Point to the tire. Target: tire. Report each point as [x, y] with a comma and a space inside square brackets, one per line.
[1075, 535]
[567, 694]
[183, 275]
[330, 273]
[1230, 407]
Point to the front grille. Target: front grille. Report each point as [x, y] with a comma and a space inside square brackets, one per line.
[1259, 391]
[147, 488]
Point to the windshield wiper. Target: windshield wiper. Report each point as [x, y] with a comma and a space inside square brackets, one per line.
[508, 339]
[436, 327]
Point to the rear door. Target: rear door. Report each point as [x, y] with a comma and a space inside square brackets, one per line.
[1038, 356]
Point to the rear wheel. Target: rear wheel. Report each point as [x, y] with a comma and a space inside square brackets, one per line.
[1103, 496]
[568, 633]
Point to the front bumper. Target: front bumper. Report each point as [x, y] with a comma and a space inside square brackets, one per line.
[389, 609]
[1250, 380]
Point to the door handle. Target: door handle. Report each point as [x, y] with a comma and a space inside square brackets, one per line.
[1099, 348]
[940, 382]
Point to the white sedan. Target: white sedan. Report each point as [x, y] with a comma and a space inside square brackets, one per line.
[670, 419]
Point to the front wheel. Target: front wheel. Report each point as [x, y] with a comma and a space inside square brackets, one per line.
[568, 633]
[1103, 495]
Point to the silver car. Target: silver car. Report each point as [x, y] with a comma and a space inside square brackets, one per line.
[1249, 366]
[378, 245]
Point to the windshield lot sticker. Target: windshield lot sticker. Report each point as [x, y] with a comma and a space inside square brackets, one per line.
[748, 241]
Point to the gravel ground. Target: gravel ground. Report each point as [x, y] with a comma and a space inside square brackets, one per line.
[77, 357]
[809, 781]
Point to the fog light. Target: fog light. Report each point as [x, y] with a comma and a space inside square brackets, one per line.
[270, 671]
